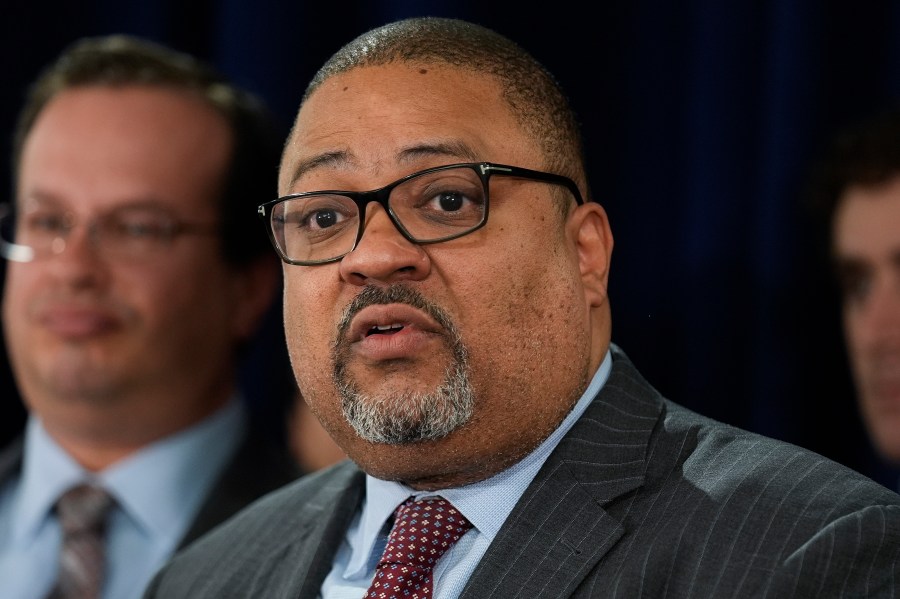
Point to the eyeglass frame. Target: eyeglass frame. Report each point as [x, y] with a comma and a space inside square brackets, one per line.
[484, 170]
[17, 252]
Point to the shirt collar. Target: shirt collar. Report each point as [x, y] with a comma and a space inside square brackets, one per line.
[486, 504]
[163, 485]
[160, 486]
[47, 471]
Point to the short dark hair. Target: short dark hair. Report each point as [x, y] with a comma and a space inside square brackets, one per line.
[865, 153]
[122, 60]
[535, 97]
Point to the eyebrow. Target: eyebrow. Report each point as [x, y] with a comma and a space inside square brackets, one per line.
[39, 198]
[454, 149]
[335, 160]
[341, 159]
[851, 264]
[843, 265]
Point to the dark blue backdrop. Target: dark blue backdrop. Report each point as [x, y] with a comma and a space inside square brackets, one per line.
[701, 120]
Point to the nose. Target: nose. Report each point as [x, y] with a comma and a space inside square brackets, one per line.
[79, 241]
[383, 254]
[880, 318]
[76, 258]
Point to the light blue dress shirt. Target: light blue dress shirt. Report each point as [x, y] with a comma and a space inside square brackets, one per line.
[157, 490]
[485, 504]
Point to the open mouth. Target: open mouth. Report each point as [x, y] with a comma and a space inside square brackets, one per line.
[379, 321]
[387, 329]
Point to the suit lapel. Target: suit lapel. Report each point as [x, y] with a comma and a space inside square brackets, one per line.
[559, 530]
[11, 458]
[306, 530]
[327, 523]
[256, 469]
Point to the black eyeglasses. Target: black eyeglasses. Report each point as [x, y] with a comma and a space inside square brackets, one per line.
[436, 204]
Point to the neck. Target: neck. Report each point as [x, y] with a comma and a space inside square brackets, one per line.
[98, 436]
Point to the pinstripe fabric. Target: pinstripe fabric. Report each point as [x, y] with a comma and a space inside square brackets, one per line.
[642, 498]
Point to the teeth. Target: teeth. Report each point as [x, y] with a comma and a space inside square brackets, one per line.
[382, 328]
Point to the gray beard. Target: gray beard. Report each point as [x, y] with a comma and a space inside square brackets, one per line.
[404, 417]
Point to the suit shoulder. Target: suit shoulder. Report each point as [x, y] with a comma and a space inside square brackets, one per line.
[721, 507]
[251, 545]
[721, 459]
[293, 503]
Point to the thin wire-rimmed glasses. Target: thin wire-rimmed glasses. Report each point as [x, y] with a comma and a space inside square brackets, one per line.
[428, 206]
[130, 232]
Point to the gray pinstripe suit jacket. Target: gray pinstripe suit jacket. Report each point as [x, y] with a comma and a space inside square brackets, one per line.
[642, 498]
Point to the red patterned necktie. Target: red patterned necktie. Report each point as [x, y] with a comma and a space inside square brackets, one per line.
[82, 516]
[423, 531]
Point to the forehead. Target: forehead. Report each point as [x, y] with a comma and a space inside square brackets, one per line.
[386, 121]
[99, 143]
[867, 221]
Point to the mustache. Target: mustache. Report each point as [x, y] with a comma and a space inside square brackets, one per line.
[398, 293]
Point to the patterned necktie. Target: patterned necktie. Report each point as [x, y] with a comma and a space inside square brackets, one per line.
[82, 516]
[423, 531]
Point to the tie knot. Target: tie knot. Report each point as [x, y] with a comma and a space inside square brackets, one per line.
[83, 508]
[424, 530]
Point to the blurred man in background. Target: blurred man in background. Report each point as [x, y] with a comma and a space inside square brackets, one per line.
[856, 188]
[133, 284]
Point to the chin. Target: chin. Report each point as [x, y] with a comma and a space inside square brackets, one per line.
[405, 464]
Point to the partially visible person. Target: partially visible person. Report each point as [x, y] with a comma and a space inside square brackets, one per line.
[134, 283]
[856, 190]
[310, 443]
[446, 312]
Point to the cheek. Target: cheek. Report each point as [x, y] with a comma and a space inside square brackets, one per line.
[310, 317]
[532, 313]
[856, 343]
[192, 302]
[24, 288]
[159, 293]
[525, 315]
[14, 312]
[18, 287]
[850, 327]
[854, 323]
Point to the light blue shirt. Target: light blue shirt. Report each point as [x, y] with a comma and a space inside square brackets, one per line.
[157, 490]
[485, 504]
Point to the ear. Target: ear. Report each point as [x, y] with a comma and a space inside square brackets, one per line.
[589, 228]
[255, 286]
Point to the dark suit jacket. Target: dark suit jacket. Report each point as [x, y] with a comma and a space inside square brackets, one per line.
[642, 498]
[256, 468]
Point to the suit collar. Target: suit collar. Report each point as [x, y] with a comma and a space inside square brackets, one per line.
[559, 529]
[256, 468]
[11, 458]
[326, 519]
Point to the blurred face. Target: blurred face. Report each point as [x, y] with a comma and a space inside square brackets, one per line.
[434, 364]
[867, 249]
[146, 339]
